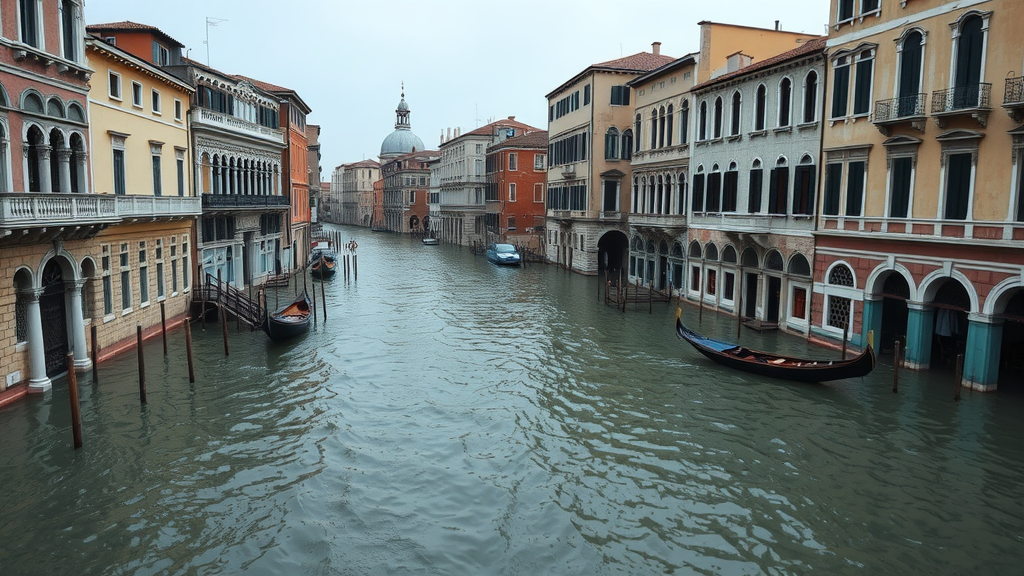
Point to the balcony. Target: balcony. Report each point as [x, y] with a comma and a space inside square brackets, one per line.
[973, 101]
[1013, 98]
[905, 110]
[991, 233]
[234, 202]
[741, 222]
[667, 222]
[670, 154]
[202, 117]
[76, 216]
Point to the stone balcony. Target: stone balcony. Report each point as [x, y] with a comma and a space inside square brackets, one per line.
[201, 117]
[753, 223]
[83, 215]
[925, 230]
[235, 202]
[676, 153]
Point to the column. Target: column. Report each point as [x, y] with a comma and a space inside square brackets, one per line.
[920, 325]
[82, 361]
[215, 181]
[981, 358]
[45, 184]
[38, 380]
[64, 169]
[81, 161]
[871, 319]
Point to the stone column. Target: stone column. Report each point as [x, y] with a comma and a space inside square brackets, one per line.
[871, 319]
[920, 325]
[45, 184]
[82, 360]
[38, 380]
[81, 162]
[64, 169]
[5, 173]
[981, 358]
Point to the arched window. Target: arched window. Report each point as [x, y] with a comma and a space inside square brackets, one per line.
[754, 186]
[759, 112]
[730, 186]
[698, 189]
[839, 307]
[636, 131]
[711, 252]
[785, 93]
[33, 103]
[54, 108]
[627, 145]
[810, 97]
[910, 102]
[969, 56]
[702, 121]
[684, 122]
[778, 187]
[654, 129]
[803, 186]
[668, 123]
[729, 254]
[718, 117]
[75, 112]
[798, 265]
[734, 119]
[611, 144]
[713, 203]
[661, 128]
[840, 275]
[773, 261]
[695, 251]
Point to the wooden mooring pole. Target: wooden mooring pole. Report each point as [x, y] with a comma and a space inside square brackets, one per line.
[739, 305]
[142, 363]
[95, 356]
[188, 350]
[224, 326]
[958, 383]
[163, 326]
[846, 336]
[323, 298]
[76, 411]
[896, 366]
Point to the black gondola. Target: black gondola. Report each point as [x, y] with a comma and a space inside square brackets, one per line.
[289, 322]
[323, 267]
[774, 365]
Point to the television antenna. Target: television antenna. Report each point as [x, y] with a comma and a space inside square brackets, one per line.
[211, 22]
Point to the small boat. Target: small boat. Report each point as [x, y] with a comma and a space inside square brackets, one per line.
[503, 254]
[323, 267]
[774, 365]
[289, 322]
[430, 241]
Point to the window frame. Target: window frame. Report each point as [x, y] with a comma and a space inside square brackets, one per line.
[114, 81]
[155, 103]
[138, 102]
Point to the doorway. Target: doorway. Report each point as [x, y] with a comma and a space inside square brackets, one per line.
[52, 308]
[774, 299]
[750, 297]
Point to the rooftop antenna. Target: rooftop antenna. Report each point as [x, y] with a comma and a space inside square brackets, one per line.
[210, 22]
[476, 114]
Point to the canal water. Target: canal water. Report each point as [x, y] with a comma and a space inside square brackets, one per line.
[454, 417]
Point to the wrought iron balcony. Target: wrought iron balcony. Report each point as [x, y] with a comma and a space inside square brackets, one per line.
[907, 109]
[243, 202]
[1013, 98]
[973, 100]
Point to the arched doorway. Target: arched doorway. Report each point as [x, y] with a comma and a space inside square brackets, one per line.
[612, 254]
[895, 293]
[52, 309]
[773, 299]
[1011, 361]
[949, 335]
[750, 261]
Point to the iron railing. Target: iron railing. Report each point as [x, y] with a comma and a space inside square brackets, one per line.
[896, 108]
[244, 201]
[962, 98]
[1014, 93]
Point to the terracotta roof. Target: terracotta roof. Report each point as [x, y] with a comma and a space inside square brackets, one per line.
[809, 47]
[640, 62]
[537, 139]
[488, 129]
[267, 86]
[363, 164]
[129, 26]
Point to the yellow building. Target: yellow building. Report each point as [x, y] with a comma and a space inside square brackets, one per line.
[921, 216]
[144, 261]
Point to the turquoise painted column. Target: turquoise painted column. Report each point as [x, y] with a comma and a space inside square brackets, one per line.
[981, 358]
[871, 319]
[920, 325]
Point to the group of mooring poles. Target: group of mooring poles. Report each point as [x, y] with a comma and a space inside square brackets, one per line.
[898, 357]
[76, 414]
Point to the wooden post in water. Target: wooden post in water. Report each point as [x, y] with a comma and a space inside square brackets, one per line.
[142, 363]
[201, 286]
[636, 299]
[314, 295]
[846, 336]
[224, 327]
[355, 268]
[739, 304]
[163, 326]
[700, 297]
[188, 350]
[958, 384]
[323, 298]
[76, 412]
[95, 357]
[896, 367]
[650, 298]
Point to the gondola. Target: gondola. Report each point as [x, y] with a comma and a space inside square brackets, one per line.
[289, 322]
[323, 267]
[774, 365]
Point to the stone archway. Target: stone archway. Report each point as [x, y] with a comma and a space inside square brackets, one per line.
[612, 254]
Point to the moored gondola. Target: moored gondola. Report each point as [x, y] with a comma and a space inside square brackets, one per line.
[774, 365]
[289, 322]
[323, 267]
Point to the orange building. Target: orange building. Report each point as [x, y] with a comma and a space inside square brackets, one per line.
[406, 190]
[516, 175]
[377, 222]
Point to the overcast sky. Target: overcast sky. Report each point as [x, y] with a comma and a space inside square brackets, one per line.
[463, 62]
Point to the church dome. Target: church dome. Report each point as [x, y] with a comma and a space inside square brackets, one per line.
[401, 141]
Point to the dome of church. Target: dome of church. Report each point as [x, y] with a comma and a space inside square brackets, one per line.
[401, 141]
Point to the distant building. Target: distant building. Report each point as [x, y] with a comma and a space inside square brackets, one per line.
[315, 170]
[516, 176]
[459, 217]
[406, 188]
[357, 192]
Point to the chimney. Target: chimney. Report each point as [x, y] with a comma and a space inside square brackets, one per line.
[776, 25]
[511, 117]
[656, 48]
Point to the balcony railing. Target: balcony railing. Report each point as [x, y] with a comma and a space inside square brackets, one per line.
[242, 201]
[962, 98]
[1013, 98]
[227, 121]
[899, 108]
[42, 209]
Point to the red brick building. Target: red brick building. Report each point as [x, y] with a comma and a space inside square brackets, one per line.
[516, 173]
[406, 205]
